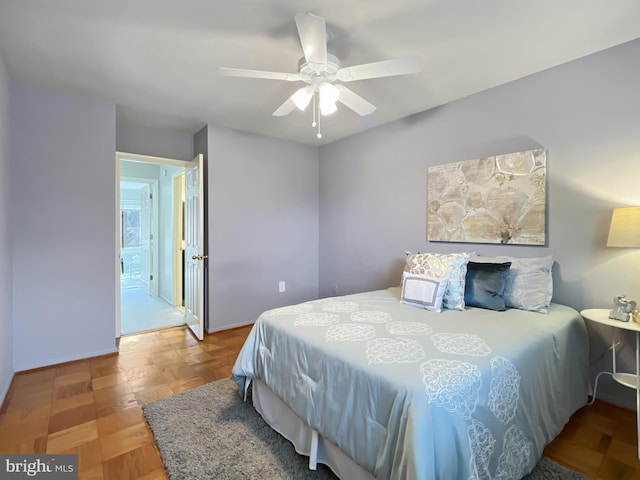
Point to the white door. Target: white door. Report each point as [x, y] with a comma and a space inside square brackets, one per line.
[194, 247]
[148, 258]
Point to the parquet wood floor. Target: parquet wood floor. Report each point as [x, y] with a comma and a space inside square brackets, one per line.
[92, 407]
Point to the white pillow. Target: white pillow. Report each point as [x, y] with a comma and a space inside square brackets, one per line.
[528, 283]
[452, 266]
[423, 291]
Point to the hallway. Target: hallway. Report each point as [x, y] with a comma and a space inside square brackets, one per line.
[141, 312]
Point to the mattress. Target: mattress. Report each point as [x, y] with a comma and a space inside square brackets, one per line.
[409, 393]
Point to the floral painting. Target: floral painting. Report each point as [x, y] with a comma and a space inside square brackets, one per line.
[499, 199]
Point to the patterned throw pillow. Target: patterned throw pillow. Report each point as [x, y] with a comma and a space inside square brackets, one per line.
[529, 281]
[452, 266]
[423, 291]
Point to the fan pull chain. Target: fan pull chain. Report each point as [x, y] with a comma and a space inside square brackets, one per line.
[313, 122]
[317, 115]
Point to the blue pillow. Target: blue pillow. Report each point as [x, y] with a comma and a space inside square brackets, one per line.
[484, 285]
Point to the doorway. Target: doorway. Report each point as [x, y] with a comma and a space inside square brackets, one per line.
[151, 245]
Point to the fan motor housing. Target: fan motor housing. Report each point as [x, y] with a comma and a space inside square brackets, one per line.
[317, 73]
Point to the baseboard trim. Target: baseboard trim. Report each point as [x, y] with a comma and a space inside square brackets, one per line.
[4, 391]
[64, 361]
[230, 327]
[617, 401]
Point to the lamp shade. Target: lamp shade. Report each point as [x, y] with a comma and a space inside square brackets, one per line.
[329, 95]
[302, 97]
[625, 227]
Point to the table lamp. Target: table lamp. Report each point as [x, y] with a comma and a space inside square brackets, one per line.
[624, 232]
[625, 227]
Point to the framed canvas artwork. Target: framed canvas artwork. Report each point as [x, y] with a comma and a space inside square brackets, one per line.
[499, 199]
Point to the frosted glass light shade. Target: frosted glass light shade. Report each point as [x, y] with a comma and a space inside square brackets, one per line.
[328, 108]
[625, 227]
[328, 97]
[302, 97]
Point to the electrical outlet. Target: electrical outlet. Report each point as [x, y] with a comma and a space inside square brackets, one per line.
[282, 286]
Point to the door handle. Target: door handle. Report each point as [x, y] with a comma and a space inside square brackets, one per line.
[200, 257]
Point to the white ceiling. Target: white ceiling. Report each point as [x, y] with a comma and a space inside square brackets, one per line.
[156, 60]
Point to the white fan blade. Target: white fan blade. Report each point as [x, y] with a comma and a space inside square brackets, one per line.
[243, 72]
[285, 109]
[354, 101]
[385, 68]
[313, 37]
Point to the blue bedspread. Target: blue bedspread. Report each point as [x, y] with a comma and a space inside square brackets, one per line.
[412, 394]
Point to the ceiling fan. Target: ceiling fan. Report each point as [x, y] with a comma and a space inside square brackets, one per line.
[319, 70]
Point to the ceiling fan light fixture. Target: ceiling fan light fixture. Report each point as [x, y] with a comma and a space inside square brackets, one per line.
[329, 95]
[302, 97]
[319, 69]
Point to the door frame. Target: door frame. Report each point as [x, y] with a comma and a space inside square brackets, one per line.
[136, 158]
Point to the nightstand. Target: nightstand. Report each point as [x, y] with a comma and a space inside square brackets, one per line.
[632, 380]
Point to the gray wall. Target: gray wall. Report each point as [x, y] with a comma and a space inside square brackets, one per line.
[157, 142]
[62, 225]
[6, 324]
[263, 225]
[586, 113]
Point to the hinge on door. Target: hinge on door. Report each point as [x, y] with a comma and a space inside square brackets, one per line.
[151, 196]
[151, 236]
[150, 277]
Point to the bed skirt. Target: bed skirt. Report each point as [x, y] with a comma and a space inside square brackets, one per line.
[305, 440]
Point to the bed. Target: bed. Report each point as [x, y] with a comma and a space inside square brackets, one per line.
[376, 387]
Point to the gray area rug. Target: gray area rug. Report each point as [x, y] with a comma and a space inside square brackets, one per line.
[210, 433]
